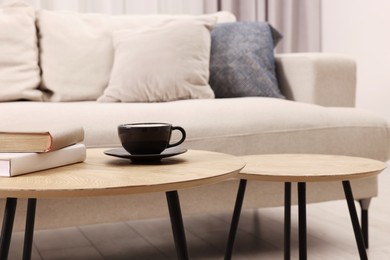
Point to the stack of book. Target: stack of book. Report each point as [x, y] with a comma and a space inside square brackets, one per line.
[25, 148]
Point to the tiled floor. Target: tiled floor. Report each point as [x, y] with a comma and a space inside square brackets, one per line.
[260, 235]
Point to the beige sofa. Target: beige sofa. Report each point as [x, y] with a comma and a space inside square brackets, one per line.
[317, 117]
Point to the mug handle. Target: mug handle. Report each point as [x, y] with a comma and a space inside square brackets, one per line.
[183, 137]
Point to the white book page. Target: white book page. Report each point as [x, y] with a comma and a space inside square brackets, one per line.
[4, 167]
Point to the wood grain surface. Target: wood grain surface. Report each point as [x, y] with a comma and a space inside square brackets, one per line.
[308, 167]
[104, 175]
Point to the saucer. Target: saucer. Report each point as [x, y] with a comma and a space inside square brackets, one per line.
[137, 158]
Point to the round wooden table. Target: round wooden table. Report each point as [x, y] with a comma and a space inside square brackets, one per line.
[102, 175]
[302, 168]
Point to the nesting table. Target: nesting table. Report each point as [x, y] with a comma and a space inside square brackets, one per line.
[303, 168]
[102, 175]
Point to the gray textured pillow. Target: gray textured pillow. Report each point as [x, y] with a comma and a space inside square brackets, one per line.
[242, 60]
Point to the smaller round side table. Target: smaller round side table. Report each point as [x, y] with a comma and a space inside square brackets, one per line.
[302, 168]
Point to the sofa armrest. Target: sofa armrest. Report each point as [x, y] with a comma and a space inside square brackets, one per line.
[318, 78]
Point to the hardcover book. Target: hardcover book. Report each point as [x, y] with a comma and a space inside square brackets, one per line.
[38, 138]
[12, 164]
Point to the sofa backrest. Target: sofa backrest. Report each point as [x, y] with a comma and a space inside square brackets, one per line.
[75, 54]
[76, 61]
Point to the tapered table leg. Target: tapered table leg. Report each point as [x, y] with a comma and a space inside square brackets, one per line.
[302, 220]
[287, 221]
[355, 220]
[235, 219]
[29, 229]
[364, 220]
[177, 224]
[8, 223]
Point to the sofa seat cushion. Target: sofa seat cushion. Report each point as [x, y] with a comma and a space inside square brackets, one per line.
[238, 126]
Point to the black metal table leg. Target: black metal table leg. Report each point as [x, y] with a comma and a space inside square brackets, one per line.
[354, 220]
[8, 223]
[177, 224]
[29, 230]
[302, 220]
[364, 205]
[364, 220]
[287, 221]
[235, 219]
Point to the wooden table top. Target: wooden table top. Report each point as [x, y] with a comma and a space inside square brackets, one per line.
[102, 175]
[308, 167]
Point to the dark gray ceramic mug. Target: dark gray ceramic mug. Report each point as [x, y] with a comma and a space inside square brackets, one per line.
[148, 138]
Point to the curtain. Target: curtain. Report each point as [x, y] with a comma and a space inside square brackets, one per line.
[298, 20]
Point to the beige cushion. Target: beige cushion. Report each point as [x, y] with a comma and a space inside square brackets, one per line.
[19, 71]
[77, 52]
[237, 126]
[161, 62]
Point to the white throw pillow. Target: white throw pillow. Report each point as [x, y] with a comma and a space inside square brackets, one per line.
[19, 70]
[165, 61]
[77, 53]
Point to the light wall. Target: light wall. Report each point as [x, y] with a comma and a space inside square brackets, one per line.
[360, 28]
